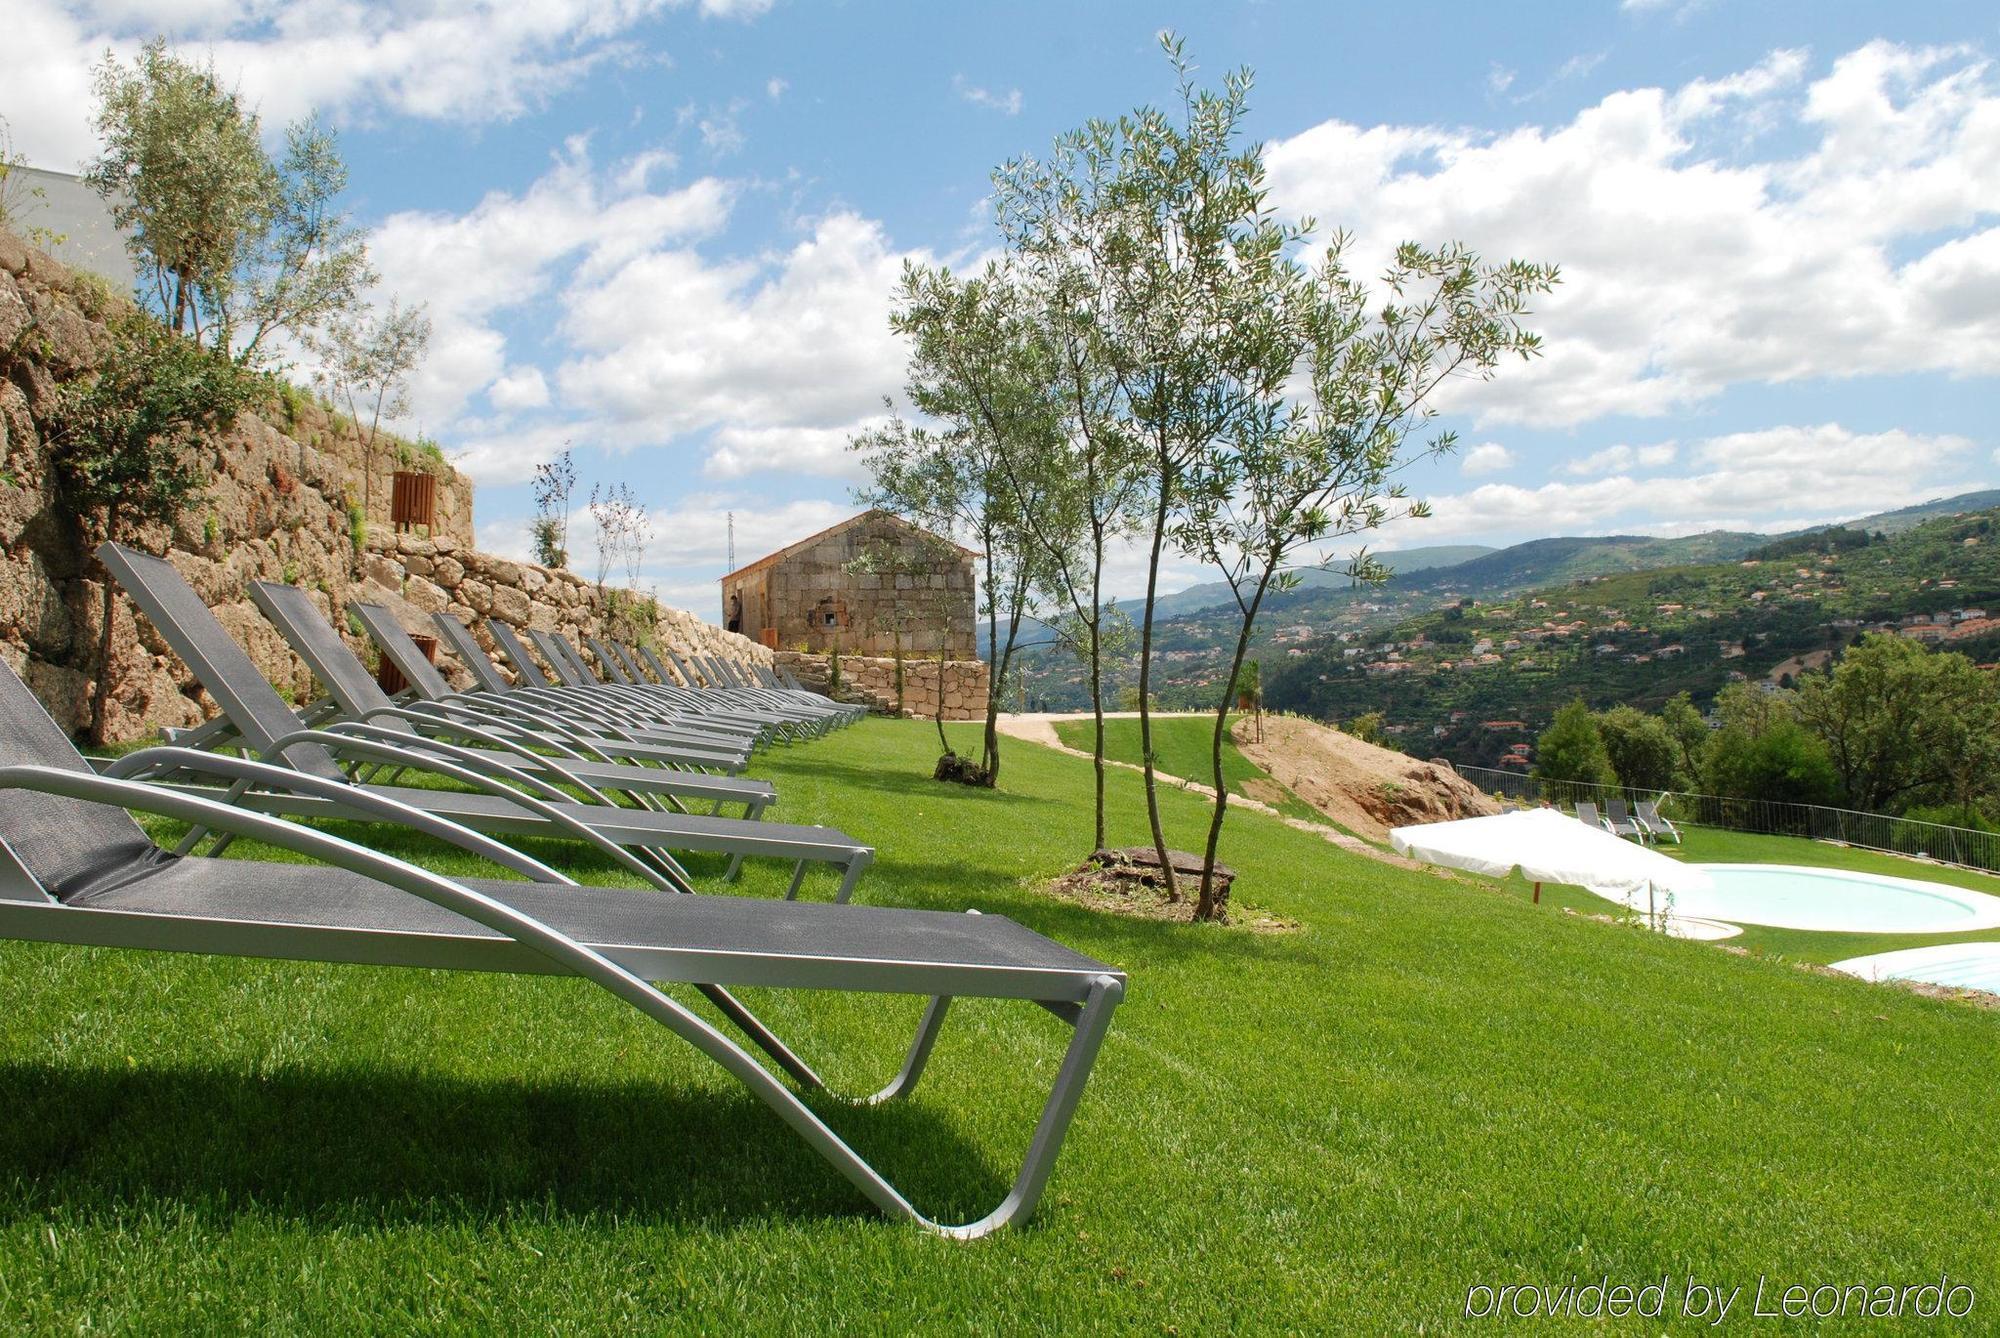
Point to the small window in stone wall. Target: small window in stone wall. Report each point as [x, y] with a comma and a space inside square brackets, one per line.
[830, 612]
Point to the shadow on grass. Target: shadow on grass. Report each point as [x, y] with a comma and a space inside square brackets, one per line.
[373, 1145]
[847, 775]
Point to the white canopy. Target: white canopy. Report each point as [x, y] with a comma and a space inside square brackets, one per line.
[1550, 847]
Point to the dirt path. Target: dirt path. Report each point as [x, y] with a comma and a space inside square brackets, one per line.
[1040, 727]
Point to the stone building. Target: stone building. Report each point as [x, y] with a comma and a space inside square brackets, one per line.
[869, 586]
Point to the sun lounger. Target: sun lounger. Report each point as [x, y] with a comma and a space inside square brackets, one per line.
[1620, 822]
[1588, 813]
[1655, 822]
[516, 804]
[75, 868]
[292, 611]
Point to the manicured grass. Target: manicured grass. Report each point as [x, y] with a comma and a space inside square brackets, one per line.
[1429, 1085]
[1181, 748]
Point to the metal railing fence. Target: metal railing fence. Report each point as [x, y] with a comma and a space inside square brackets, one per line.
[1870, 831]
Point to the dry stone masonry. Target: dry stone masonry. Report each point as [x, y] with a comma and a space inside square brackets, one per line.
[870, 681]
[277, 508]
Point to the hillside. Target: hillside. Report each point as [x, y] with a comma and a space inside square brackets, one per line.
[1445, 677]
[1404, 562]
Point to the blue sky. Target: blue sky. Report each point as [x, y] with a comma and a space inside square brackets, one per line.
[666, 233]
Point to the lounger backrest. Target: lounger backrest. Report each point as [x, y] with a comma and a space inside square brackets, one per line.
[587, 676]
[70, 846]
[184, 621]
[1587, 812]
[660, 671]
[681, 667]
[613, 670]
[517, 655]
[395, 643]
[633, 670]
[556, 654]
[1615, 810]
[466, 646]
[298, 620]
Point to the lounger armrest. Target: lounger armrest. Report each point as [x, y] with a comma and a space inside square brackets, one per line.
[151, 762]
[555, 813]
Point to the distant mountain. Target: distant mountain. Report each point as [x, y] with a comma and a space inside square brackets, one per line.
[1895, 522]
[1404, 562]
[1554, 561]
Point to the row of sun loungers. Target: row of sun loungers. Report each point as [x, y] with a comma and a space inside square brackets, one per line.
[1642, 823]
[640, 766]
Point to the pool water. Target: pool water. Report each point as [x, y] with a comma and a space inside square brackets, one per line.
[1788, 896]
[1966, 966]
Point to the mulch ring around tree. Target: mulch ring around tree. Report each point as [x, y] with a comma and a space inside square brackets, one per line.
[1126, 881]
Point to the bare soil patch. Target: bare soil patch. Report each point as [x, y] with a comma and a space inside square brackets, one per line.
[1361, 787]
[1127, 882]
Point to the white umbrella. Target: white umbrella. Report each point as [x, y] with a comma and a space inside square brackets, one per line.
[1550, 847]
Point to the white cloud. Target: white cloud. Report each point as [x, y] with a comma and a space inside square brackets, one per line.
[1008, 103]
[781, 356]
[775, 88]
[1489, 457]
[722, 129]
[1691, 263]
[1621, 457]
[519, 388]
[509, 251]
[1770, 479]
[454, 60]
[1499, 78]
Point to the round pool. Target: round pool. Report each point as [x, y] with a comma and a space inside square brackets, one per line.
[1790, 896]
[1966, 966]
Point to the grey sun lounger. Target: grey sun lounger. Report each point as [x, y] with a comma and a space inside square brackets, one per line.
[557, 715]
[819, 715]
[514, 805]
[585, 695]
[292, 611]
[1656, 822]
[1620, 823]
[577, 673]
[76, 869]
[1588, 813]
[553, 706]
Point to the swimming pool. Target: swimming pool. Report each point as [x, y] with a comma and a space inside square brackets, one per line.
[1967, 966]
[1790, 896]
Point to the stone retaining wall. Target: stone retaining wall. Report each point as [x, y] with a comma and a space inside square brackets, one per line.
[276, 509]
[871, 681]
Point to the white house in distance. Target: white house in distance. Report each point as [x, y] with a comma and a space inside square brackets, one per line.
[70, 223]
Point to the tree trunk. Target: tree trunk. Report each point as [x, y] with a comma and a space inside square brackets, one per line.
[1211, 905]
[1167, 880]
[1097, 720]
[940, 699]
[100, 696]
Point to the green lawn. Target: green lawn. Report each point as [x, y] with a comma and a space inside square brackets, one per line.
[1430, 1085]
[1181, 748]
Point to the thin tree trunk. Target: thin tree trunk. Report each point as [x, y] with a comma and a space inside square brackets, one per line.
[1095, 624]
[100, 696]
[940, 698]
[1209, 905]
[1097, 745]
[1167, 880]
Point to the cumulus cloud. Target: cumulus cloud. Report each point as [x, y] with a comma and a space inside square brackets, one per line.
[781, 356]
[453, 60]
[774, 87]
[1489, 457]
[519, 388]
[1770, 479]
[1622, 457]
[1862, 244]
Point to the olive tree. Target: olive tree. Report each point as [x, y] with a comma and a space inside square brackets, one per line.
[231, 245]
